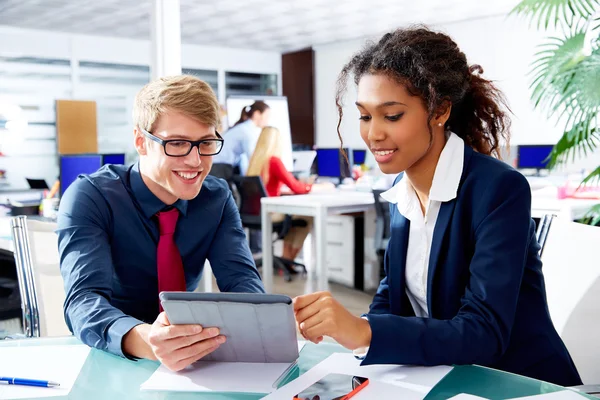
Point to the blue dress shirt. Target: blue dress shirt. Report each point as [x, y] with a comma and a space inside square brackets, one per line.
[240, 142]
[107, 239]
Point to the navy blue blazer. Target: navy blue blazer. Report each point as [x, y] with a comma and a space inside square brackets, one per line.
[486, 295]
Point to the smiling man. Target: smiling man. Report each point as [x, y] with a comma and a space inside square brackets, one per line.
[128, 233]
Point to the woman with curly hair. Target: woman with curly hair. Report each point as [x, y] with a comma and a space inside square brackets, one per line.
[464, 281]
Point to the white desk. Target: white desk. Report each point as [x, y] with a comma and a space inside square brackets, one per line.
[544, 201]
[317, 206]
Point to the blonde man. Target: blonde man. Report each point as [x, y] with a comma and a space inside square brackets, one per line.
[127, 233]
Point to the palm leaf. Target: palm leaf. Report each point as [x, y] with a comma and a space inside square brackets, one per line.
[548, 70]
[570, 145]
[592, 178]
[554, 12]
[566, 78]
[592, 217]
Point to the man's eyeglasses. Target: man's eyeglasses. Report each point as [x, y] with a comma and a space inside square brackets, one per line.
[181, 148]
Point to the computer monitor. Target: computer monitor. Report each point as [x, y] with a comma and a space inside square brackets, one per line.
[37, 183]
[332, 163]
[358, 156]
[534, 156]
[117, 158]
[303, 160]
[73, 165]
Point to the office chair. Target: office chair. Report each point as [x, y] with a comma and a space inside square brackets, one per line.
[225, 171]
[572, 277]
[10, 298]
[40, 281]
[251, 191]
[382, 229]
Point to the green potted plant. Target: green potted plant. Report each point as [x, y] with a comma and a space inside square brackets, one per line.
[566, 77]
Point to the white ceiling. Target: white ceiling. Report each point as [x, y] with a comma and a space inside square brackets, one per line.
[277, 25]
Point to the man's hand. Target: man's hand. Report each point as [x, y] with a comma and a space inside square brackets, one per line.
[319, 314]
[175, 346]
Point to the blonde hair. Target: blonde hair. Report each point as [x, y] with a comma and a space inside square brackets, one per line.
[182, 93]
[268, 145]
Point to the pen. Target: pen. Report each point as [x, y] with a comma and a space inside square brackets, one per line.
[356, 390]
[27, 382]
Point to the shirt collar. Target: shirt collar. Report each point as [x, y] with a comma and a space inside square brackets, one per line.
[448, 170]
[149, 203]
[446, 178]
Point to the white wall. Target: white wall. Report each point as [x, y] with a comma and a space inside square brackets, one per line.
[34, 43]
[113, 100]
[503, 46]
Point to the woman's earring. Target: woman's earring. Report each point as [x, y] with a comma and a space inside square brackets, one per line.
[440, 124]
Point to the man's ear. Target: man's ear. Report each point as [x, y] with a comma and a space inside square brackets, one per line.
[139, 141]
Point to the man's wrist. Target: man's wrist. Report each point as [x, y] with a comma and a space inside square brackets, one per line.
[135, 342]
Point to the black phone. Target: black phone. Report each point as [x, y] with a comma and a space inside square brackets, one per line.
[357, 381]
[331, 387]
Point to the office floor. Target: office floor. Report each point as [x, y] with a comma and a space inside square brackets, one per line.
[355, 301]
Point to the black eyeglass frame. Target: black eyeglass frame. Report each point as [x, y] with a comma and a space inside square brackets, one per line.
[193, 143]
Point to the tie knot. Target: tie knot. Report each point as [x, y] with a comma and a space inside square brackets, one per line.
[167, 220]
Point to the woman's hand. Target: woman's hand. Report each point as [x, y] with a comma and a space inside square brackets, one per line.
[319, 314]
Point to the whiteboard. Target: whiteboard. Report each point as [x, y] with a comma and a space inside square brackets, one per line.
[280, 119]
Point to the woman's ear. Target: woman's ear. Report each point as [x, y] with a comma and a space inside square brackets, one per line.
[442, 114]
[139, 141]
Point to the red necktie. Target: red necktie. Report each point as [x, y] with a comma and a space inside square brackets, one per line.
[169, 265]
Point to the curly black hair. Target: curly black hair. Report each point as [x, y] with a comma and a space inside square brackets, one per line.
[430, 65]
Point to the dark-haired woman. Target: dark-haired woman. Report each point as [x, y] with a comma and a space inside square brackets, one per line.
[464, 281]
[240, 140]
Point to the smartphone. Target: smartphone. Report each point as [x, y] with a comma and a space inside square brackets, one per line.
[332, 387]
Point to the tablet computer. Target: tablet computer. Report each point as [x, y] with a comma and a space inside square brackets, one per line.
[258, 327]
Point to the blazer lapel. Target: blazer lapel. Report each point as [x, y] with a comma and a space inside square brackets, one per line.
[397, 262]
[441, 226]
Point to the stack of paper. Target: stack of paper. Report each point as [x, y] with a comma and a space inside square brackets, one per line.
[59, 364]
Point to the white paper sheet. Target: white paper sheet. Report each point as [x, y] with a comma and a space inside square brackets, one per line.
[60, 364]
[212, 376]
[466, 396]
[385, 391]
[562, 395]
[207, 376]
[417, 381]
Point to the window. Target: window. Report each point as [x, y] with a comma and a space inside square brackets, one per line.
[240, 83]
[208, 76]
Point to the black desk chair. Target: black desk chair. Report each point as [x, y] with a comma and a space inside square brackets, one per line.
[382, 228]
[10, 297]
[223, 171]
[226, 172]
[251, 191]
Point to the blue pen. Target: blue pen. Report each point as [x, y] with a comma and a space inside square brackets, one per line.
[27, 382]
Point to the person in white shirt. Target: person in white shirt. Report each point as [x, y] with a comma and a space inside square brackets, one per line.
[464, 281]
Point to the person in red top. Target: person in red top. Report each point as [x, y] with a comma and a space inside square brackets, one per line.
[266, 163]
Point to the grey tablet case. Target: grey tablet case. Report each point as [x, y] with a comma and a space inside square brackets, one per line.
[259, 327]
